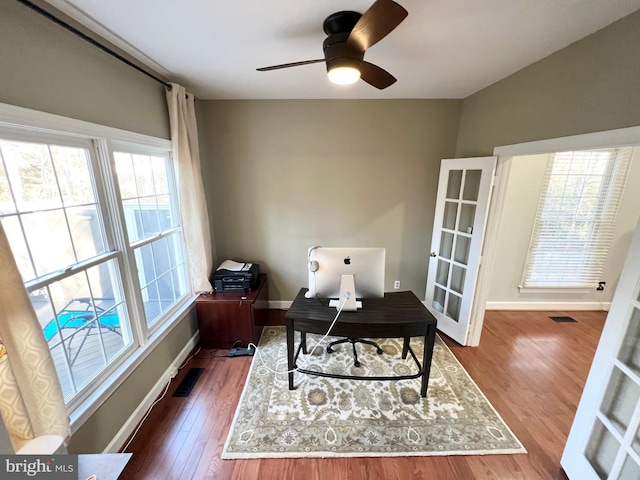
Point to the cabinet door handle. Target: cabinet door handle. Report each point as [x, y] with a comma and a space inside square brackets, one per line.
[433, 254]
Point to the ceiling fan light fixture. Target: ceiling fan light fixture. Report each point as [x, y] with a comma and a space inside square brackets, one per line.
[344, 75]
[343, 70]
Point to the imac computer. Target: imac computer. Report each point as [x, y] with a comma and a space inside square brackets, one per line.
[346, 274]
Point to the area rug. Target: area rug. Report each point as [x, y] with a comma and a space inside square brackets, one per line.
[327, 417]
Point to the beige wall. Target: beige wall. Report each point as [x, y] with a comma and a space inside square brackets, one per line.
[45, 68]
[521, 203]
[286, 175]
[589, 86]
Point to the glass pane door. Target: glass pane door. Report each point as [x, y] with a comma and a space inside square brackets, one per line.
[461, 209]
[457, 227]
[604, 442]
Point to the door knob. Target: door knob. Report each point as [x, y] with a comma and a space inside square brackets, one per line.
[433, 254]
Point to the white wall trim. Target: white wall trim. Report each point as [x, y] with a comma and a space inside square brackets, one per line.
[555, 290]
[35, 120]
[621, 137]
[550, 306]
[489, 253]
[280, 304]
[132, 422]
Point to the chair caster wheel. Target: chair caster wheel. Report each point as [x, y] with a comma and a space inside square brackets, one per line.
[356, 364]
[329, 350]
[379, 351]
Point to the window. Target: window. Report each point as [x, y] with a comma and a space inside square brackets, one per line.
[94, 226]
[576, 218]
[153, 227]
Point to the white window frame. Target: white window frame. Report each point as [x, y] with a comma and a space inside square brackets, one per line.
[137, 148]
[602, 227]
[42, 127]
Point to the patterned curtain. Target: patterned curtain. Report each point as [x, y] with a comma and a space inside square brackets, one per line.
[31, 400]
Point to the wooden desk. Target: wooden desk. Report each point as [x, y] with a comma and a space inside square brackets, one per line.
[224, 318]
[397, 315]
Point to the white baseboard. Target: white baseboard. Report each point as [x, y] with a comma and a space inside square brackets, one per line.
[551, 306]
[132, 422]
[280, 304]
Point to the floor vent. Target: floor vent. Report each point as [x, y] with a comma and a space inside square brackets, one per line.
[562, 319]
[188, 382]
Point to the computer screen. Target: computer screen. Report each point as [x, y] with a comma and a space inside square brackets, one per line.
[346, 274]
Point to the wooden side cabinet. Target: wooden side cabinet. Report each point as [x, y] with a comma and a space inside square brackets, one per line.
[225, 318]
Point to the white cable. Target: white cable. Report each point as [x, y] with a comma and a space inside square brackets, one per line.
[314, 347]
[187, 360]
[166, 389]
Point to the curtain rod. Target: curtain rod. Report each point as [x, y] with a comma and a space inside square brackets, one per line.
[93, 42]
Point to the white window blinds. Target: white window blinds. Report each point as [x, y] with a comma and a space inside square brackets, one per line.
[576, 218]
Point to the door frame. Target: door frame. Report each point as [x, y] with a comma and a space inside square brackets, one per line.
[623, 137]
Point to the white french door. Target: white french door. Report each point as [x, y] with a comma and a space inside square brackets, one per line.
[604, 442]
[464, 190]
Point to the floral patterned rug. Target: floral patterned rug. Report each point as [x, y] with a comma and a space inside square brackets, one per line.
[328, 417]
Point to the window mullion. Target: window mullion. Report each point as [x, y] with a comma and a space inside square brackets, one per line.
[71, 270]
[148, 240]
[118, 239]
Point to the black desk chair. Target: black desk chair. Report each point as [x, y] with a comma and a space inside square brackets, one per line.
[353, 342]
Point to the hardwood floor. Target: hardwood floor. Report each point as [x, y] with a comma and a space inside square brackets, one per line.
[531, 369]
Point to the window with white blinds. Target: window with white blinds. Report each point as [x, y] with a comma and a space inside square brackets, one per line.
[576, 218]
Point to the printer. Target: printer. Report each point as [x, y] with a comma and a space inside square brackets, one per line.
[232, 276]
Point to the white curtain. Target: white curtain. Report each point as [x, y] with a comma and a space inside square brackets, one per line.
[195, 219]
[31, 400]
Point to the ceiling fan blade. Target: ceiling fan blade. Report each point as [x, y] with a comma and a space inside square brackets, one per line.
[375, 24]
[287, 65]
[376, 76]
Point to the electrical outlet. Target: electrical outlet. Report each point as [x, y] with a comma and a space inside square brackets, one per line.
[396, 284]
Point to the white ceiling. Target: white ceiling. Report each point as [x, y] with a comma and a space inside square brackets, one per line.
[443, 49]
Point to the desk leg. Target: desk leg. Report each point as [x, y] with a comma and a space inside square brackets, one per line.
[405, 347]
[290, 351]
[427, 355]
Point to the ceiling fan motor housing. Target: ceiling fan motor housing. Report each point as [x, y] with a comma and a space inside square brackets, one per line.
[340, 22]
[337, 54]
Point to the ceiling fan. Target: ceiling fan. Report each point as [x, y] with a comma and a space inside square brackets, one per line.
[349, 35]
